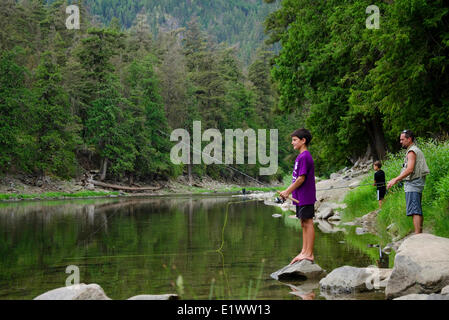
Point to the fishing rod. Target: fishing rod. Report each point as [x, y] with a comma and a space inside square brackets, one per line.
[265, 184]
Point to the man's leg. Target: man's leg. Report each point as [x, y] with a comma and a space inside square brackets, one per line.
[417, 223]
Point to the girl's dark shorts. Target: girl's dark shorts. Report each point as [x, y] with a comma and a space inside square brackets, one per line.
[305, 212]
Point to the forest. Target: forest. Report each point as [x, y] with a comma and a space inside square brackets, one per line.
[108, 95]
[358, 86]
[106, 98]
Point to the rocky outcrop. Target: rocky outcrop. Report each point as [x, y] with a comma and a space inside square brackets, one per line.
[347, 279]
[75, 292]
[301, 270]
[421, 266]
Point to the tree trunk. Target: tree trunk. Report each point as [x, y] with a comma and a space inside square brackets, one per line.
[377, 139]
[189, 173]
[104, 168]
[117, 187]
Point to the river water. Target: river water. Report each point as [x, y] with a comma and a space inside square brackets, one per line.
[200, 247]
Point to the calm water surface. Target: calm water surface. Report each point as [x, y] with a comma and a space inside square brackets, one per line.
[161, 245]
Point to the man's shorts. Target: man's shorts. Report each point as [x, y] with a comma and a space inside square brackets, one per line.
[413, 203]
[381, 193]
[305, 212]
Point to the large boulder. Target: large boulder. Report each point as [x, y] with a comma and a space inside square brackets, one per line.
[75, 292]
[300, 270]
[349, 279]
[421, 265]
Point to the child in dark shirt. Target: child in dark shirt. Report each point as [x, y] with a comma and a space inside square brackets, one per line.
[379, 182]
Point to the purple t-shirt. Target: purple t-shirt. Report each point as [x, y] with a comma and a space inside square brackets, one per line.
[306, 193]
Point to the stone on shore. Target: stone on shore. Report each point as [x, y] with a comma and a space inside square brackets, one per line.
[421, 265]
[349, 279]
[75, 292]
[326, 210]
[301, 270]
[155, 297]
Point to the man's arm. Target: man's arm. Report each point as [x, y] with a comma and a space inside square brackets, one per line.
[411, 159]
[295, 185]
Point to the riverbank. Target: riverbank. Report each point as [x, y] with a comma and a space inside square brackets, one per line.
[392, 222]
[19, 187]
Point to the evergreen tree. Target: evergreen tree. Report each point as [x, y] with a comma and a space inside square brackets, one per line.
[53, 127]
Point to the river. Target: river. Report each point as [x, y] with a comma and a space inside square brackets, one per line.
[200, 247]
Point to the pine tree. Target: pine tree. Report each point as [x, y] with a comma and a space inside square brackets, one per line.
[53, 126]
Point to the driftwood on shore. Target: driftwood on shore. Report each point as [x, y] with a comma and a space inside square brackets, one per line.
[117, 187]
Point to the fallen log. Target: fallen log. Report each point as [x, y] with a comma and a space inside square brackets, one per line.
[117, 187]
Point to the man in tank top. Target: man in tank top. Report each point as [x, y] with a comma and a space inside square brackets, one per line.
[414, 172]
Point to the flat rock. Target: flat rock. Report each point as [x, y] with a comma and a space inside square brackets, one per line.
[421, 265]
[75, 292]
[301, 270]
[155, 297]
[349, 279]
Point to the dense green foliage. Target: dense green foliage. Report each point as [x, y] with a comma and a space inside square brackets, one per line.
[107, 97]
[235, 22]
[357, 86]
[435, 196]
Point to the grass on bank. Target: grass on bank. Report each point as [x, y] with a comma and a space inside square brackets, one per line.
[435, 196]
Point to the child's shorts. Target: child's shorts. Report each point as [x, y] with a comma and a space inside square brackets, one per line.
[381, 193]
[305, 212]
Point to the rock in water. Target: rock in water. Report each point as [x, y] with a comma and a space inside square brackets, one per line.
[301, 270]
[349, 279]
[76, 292]
[421, 265]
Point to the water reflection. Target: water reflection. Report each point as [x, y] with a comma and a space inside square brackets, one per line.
[134, 246]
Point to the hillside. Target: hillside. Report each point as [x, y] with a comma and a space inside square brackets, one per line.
[236, 22]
